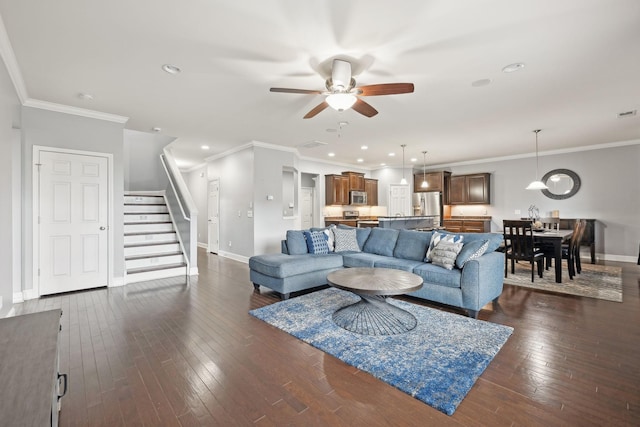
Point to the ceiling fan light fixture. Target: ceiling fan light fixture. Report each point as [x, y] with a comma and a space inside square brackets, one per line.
[341, 101]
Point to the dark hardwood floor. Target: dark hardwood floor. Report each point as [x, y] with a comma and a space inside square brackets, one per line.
[167, 353]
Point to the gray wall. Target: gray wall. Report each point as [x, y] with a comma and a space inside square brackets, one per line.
[610, 193]
[9, 178]
[53, 129]
[198, 183]
[142, 168]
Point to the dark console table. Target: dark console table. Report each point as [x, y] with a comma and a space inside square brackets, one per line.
[29, 369]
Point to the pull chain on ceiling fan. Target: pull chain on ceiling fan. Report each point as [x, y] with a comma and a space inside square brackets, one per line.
[342, 93]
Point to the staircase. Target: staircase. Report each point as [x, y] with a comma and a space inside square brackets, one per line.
[151, 247]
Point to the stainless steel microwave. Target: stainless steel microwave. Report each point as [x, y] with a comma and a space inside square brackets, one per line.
[357, 198]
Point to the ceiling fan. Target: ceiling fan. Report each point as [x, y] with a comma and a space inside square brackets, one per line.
[343, 94]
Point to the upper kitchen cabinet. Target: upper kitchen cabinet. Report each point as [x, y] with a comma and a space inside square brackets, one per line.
[356, 181]
[438, 181]
[336, 189]
[371, 187]
[469, 189]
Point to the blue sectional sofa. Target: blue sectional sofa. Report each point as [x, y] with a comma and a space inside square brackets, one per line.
[476, 279]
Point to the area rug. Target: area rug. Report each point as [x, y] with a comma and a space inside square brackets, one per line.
[595, 281]
[437, 362]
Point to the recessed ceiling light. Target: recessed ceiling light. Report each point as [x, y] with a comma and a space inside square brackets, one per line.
[383, 164]
[360, 160]
[171, 69]
[513, 67]
[331, 154]
[364, 147]
[204, 147]
[392, 154]
[413, 159]
[156, 129]
[481, 82]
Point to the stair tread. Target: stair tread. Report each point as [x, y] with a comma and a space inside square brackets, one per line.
[155, 268]
[150, 243]
[146, 233]
[154, 255]
[147, 222]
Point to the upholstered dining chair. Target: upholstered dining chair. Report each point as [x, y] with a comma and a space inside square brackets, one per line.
[519, 234]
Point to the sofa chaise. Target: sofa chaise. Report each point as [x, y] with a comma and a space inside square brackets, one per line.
[469, 278]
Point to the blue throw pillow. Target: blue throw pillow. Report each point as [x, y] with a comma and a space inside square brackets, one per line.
[471, 250]
[316, 242]
[296, 244]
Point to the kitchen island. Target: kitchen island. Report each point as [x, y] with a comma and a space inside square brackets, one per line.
[417, 222]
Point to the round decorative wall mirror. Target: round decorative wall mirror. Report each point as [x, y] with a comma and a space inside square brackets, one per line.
[562, 183]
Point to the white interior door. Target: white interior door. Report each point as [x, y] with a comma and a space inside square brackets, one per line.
[73, 209]
[306, 206]
[399, 200]
[213, 224]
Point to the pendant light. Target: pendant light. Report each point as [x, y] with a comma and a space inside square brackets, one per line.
[403, 181]
[424, 184]
[537, 184]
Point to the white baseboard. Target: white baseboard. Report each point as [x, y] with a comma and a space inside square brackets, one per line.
[117, 282]
[28, 294]
[203, 245]
[193, 271]
[11, 312]
[233, 256]
[145, 193]
[619, 258]
[18, 297]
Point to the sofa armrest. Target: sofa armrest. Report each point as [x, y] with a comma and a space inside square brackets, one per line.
[482, 280]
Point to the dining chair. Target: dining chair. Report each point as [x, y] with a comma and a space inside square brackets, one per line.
[519, 234]
[550, 223]
[577, 243]
[571, 250]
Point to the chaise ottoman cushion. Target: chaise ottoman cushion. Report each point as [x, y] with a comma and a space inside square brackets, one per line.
[282, 265]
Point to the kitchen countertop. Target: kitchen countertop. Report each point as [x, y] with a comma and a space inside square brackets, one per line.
[398, 218]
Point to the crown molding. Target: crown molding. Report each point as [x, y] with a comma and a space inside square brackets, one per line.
[60, 108]
[252, 144]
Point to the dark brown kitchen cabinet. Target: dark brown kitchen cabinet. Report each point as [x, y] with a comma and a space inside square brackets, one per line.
[467, 225]
[438, 181]
[469, 189]
[336, 189]
[371, 187]
[356, 181]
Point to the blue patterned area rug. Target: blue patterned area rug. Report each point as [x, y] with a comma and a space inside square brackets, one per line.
[437, 362]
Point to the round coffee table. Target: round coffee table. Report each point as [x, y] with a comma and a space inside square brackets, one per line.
[373, 315]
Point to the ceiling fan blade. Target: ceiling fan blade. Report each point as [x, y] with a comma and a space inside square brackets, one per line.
[318, 108]
[385, 89]
[287, 90]
[365, 109]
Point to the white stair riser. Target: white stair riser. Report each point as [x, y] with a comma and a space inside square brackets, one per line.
[150, 238]
[144, 200]
[154, 249]
[147, 228]
[145, 209]
[153, 262]
[154, 275]
[147, 217]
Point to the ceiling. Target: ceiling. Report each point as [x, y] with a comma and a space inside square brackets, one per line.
[582, 68]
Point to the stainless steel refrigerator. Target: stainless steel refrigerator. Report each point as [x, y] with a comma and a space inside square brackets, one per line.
[428, 204]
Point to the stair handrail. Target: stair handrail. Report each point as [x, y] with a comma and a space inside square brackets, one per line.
[187, 227]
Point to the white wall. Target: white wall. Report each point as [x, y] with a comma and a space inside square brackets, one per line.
[60, 130]
[142, 168]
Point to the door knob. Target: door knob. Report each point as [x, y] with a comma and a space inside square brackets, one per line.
[103, 228]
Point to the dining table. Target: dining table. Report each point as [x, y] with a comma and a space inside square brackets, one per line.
[555, 238]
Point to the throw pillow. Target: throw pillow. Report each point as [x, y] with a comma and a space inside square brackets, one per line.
[471, 250]
[346, 240]
[330, 237]
[316, 242]
[437, 237]
[296, 244]
[445, 254]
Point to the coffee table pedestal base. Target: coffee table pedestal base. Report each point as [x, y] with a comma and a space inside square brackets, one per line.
[372, 315]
